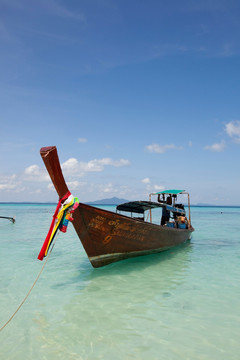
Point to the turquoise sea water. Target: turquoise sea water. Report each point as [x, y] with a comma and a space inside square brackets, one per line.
[180, 304]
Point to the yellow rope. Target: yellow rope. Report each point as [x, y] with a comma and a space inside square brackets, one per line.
[23, 301]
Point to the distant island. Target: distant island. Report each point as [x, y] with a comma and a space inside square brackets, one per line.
[111, 201]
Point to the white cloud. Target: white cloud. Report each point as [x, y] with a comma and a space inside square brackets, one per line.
[9, 177]
[70, 165]
[105, 190]
[218, 147]
[158, 187]
[73, 185]
[82, 140]
[11, 183]
[32, 170]
[98, 164]
[150, 187]
[146, 181]
[233, 130]
[7, 186]
[160, 149]
[51, 187]
[109, 188]
[154, 188]
[8, 182]
[35, 173]
[74, 167]
[37, 191]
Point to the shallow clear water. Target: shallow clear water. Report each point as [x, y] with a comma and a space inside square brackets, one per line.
[180, 304]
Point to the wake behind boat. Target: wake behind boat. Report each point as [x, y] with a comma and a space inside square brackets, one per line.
[107, 236]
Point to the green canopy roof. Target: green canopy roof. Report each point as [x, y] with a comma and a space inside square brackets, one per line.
[172, 192]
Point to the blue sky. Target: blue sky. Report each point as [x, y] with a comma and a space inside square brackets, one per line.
[138, 96]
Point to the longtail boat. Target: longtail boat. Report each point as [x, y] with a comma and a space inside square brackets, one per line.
[12, 219]
[112, 236]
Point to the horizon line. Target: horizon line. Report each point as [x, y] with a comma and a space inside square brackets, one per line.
[96, 203]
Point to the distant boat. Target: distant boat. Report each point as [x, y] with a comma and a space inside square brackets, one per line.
[108, 236]
[12, 219]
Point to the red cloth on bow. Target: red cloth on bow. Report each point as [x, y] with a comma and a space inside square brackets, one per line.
[45, 244]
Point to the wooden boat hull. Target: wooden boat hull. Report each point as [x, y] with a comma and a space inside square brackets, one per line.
[107, 236]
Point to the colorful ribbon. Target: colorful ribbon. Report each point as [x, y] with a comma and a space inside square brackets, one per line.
[63, 214]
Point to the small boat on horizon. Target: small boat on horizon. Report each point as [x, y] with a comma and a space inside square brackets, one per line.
[12, 219]
[109, 236]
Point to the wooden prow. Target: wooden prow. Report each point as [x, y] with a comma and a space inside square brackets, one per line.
[50, 158]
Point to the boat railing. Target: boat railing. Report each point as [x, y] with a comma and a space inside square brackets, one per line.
[174, 208]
